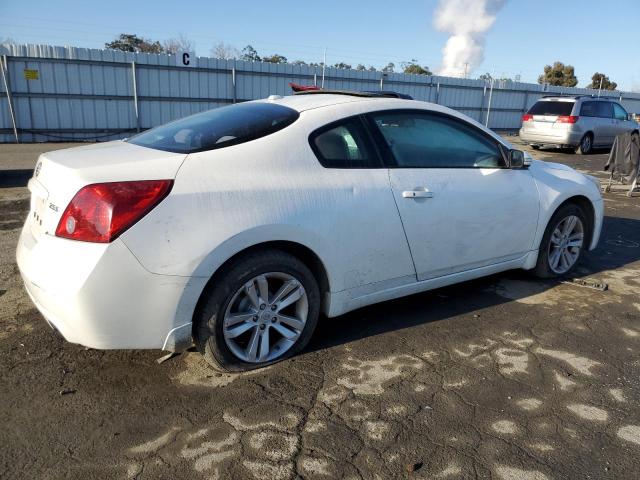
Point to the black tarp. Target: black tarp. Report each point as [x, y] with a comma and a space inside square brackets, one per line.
[625, 156]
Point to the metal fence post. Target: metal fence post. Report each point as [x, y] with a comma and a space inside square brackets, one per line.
[382, 82]
[484, 95]
[135, 95]
[233, 83]
[438, 93]
[4, 68]
[486, 123]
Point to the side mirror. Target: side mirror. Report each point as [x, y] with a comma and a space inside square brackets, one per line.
[517, 159]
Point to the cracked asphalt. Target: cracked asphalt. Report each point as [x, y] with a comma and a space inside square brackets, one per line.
[505, 377]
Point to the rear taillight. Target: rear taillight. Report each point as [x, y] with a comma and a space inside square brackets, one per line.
[567, 119]
[527, 117]
[102, 211]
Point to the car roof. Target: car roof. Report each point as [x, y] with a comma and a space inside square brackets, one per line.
[352, 104]
[572, 98]
[301, 103]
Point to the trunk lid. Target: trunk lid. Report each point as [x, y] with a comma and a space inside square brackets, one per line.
[60, 174]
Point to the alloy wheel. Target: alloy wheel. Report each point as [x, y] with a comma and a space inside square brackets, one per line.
[565, 244]
[265, 317]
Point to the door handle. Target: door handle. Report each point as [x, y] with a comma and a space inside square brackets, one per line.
[417, 194]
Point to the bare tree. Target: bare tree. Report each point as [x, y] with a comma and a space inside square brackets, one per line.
[224, 51]
[180, 44]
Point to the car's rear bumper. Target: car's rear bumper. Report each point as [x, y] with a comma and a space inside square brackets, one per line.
[560, 137]
[98, 295]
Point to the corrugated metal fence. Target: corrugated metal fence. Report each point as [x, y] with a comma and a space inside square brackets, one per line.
[66, 93]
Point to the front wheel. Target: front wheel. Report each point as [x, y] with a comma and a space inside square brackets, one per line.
[563, 242]
[261, 309]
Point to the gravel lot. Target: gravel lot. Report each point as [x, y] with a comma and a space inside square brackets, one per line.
[505, 377]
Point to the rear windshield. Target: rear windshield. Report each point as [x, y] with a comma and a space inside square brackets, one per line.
[218, 128]
[551, 108]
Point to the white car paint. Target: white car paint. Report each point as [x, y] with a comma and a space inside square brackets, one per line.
[141, 290]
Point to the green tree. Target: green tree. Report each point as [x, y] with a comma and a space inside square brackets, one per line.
[298, 62]
[606, 83]
[559, 75]
[128, 42]
[360, 67]
[415, 68]
[249, 54]
[342, 65]
[275, 58]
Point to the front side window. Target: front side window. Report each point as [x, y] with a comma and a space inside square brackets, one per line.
[619, 112]
[344, 144]
[218, 128]
[423, 140]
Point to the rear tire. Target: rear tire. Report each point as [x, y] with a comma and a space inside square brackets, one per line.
[535, 147]
[559, 254]
[586, 145]
[226, 299]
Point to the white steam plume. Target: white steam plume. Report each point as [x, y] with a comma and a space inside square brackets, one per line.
[468, 22]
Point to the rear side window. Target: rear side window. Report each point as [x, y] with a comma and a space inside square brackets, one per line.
[424, 140]
[596, 109]
[603, 109]
[588, 109]
[218, 128]
[551, 108]
[344, 144]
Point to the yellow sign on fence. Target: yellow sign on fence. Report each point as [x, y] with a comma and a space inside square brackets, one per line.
[31, 74]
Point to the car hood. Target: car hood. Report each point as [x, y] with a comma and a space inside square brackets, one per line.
[552, 166]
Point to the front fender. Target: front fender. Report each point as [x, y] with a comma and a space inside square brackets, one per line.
[556, 184]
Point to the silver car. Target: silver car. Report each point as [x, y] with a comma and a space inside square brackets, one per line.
[580, 122]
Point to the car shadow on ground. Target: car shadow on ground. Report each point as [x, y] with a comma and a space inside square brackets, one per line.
[572, 151]
[619, 246]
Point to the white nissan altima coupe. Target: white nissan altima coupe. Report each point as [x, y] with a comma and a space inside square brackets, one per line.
[235, 228]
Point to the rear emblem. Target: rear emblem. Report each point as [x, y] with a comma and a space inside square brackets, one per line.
[36, 172]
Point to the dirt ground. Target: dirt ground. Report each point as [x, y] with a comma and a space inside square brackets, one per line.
[506, 377]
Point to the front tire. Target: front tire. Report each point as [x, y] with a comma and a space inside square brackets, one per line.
[563, 242]
[586, 145]
[262, 308]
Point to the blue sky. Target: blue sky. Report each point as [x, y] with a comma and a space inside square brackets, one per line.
[590, 35]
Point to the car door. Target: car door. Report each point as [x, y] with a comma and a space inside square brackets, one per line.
[622, 124]
[460, 206]
[604, 127]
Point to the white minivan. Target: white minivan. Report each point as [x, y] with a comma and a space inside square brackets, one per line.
[579, 122]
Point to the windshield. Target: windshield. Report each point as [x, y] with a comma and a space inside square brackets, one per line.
[217, 128]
